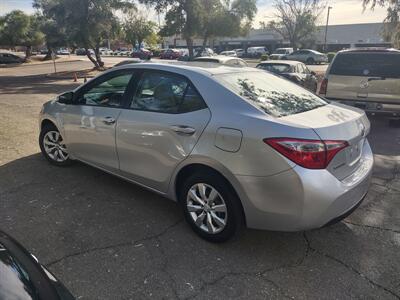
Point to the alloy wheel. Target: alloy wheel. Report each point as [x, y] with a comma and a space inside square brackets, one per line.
[207, 208]
[54, 146]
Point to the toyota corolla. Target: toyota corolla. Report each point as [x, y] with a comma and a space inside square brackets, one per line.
[234, 146]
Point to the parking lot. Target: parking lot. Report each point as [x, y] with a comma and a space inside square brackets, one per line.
[108, 239]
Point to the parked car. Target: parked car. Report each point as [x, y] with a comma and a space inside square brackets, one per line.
[170, 54]
[280, 52]
[293, 70]
[142, 54]
[232, 147]
[122, 52]
[223, 60]
[256, 51]
[229, 53]
[106, 51]
[9, 58]
[200, 52]
[239, 52]
[368, 78]
[44, 51]
[82, 51]
[23, 277]
[63, 51]
[307, 56]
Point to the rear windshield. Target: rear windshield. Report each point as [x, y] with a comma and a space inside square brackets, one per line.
[367, 64]
[275, 96]
[275, 68]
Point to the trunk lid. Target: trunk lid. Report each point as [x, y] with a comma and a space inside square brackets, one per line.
[337, 122]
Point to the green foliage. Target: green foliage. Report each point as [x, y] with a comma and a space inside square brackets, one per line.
[85, 23]
[296, 20]
[137, 29]
[331, 55]
[264, 57]
[20, 29]
[205, 18]
[391, 31]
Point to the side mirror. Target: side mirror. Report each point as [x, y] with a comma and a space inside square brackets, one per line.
[66, 98]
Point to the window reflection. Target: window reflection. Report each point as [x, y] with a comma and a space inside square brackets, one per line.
[275, 96]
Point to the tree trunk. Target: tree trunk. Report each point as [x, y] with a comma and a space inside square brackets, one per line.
[189, 43]
[28, 52]
[98, 56]
[205, 40]
[49, 54]
[94, 61]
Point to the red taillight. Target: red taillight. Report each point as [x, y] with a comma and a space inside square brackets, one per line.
[310, 154]
[324, 86]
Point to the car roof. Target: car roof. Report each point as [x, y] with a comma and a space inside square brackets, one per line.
[370, 49]
[220, 58]
[204, 68]
[281, 62]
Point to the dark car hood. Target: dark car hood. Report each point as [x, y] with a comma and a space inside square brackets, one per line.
[23, 278]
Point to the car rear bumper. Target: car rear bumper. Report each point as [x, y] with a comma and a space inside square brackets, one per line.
[372, 107]
[301, 199]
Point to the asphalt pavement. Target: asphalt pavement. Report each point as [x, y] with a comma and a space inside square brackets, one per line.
[109, 239]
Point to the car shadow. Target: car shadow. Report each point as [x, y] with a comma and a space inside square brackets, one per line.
[38, 84]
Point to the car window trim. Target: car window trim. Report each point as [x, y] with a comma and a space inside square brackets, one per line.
[134, 88]
[101, 79]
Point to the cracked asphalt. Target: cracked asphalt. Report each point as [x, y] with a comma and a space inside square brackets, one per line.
[108, 239]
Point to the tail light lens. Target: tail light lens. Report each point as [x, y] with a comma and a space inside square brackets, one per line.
[324, 87]
[310, 154]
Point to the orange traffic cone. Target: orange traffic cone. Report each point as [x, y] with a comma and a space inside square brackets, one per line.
[75, 77]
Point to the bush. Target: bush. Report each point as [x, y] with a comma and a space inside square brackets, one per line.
[264, 57]
[331, 55]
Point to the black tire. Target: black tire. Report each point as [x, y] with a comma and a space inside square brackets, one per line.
[46, 129]
[235, 219]
[310, 61]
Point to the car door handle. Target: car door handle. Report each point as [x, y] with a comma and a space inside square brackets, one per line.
[108, 120]
[182, 129]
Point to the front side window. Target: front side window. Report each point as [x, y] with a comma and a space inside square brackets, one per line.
[273, 95]
[166, 93]
[109, 92]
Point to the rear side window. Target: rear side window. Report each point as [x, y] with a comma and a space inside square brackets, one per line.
[367, 64]
[275, 96]
[275, 68]
[166, 93]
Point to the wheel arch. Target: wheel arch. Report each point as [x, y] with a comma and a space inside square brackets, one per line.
[207, 166]
[47, 122]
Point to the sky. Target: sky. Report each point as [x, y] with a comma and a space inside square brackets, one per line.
[342, 12]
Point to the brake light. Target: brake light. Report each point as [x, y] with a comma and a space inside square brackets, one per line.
[324, 87]
[310, 154]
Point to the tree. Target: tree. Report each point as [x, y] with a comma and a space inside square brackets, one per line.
[20, 29]
[296, 20]
[392, 20]
[137, 28]
[226, 18]
[204, 18]
[86, 23]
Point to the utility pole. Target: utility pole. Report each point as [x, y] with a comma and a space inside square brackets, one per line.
[326, 27]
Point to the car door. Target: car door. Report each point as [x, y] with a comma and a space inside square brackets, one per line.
[159, 128]
[89, 124]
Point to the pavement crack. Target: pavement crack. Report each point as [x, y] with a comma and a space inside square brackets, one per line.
[372, 227]
[260, 274]
[113, 246]
[352, 269]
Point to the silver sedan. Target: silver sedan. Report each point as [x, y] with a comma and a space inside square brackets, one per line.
[234, 146]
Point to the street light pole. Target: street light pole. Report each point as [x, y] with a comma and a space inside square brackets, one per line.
[326, 27]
